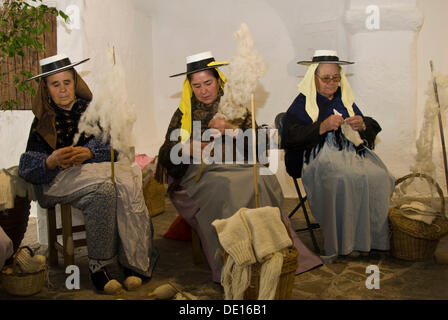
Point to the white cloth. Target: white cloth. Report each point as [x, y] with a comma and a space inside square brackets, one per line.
[307, 87]
[268, 236]
[419, 212]
[12, 186]
[6, 194]
[132, 214]
[6, 248]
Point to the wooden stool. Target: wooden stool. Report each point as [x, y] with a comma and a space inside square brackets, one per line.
[68, 244]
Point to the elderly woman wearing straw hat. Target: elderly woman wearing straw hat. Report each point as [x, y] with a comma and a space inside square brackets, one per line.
[50, 156]
[222, 188]
[328, 142]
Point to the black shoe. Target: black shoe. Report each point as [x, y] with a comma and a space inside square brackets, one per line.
[129, 273]
[100, 278]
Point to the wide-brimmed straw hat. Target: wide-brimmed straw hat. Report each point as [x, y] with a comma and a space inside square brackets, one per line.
[55, 64]
[199, 62]
[325, 56]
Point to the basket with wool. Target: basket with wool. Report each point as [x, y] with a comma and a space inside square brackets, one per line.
[27, 275]
[414, 240]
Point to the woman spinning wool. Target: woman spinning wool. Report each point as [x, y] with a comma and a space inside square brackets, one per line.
[222, 188]
[80, 175]
[328, 143]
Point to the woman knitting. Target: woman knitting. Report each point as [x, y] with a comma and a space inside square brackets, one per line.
[78, 175]
[328, 142]
[203, 193]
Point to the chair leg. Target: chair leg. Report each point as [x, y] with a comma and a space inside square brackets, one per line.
[310, 226]
[67, 235]
[51, 231]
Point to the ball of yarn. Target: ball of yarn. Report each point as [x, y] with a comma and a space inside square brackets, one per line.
[132, 283]
[113, 287]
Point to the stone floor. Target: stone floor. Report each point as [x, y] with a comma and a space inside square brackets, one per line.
[345, 279]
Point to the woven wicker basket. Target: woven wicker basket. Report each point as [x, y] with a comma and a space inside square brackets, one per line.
[286, 280]
[22, 284]
[414, 240]
[154, 193]
[287, 275]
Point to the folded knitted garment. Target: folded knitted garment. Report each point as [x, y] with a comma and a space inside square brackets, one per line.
[269, 238]
[252, 235]
[419, 211]
[235, 238]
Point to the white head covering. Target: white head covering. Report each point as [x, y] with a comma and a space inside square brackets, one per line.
[308, 87]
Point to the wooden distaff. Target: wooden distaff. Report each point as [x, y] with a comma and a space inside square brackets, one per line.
[440, 122]
[254, 150]
[112, 153]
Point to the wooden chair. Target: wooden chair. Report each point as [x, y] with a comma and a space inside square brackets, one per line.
[66, 230]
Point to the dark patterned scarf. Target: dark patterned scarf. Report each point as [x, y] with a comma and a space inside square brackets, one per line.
[204, 112]
[67, 123]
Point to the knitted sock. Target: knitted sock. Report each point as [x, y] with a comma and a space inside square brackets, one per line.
[235, 238]
[270, 236]
[241, 281]
[269, 275]
[268, 231]
[235, 279]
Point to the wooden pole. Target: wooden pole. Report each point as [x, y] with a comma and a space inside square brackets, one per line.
[112, 153]
[254, 151]
[442, 137]
[112, 164]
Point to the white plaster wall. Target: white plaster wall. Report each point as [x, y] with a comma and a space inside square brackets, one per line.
[432, 45]
[284, 32]
[385, 76]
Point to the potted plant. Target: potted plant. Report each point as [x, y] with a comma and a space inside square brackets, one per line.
[22, 24]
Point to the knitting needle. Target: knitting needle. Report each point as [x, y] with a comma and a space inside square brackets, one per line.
[442, 137]
[254, 150]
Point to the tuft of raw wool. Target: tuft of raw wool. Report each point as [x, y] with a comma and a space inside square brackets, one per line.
[113, 287]
[425, 142]
[246, 67]
[110, 113]
[164, 292]
[132, 283]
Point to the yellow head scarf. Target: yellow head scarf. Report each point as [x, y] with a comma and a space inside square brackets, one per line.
[185, 103]
[308, 88]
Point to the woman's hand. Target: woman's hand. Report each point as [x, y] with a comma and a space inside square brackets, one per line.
[68, 157]
[221, 125]
[60, 157]
[356, 122]
[194, 149]
[80, 155]
[332, 123]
